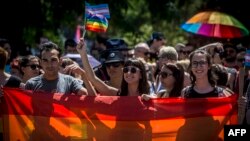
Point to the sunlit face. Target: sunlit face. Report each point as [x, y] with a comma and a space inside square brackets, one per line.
[32, 69]
[167, 78]
[131, 74]
[199, 65]
[141, 53]
[50, 62]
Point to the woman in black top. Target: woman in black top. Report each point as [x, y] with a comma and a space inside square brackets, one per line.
[134, 78]
[203, 82]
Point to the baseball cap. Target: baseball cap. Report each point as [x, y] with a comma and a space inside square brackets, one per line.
[156, 36]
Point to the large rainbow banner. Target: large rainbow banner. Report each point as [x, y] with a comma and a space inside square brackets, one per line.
[31, 116]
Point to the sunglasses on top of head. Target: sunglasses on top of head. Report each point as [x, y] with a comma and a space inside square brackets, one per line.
[130, 69]
[34, 66]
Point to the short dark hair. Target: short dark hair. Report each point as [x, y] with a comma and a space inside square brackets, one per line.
[48, 46]
[70, 42]
[25, 60]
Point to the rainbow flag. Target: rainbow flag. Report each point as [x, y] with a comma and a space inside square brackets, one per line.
[58, 117]
[96, 23]
[101, 9]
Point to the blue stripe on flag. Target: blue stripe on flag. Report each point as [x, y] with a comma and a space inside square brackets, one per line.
[101, 9]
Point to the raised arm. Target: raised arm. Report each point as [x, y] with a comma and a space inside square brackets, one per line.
[211, 47]
[103, 88]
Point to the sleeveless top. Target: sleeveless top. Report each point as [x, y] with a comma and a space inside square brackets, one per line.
[189, 92]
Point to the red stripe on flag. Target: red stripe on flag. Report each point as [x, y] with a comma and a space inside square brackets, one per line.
[21, 102]
[42, 116]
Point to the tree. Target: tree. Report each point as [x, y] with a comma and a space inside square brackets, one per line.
[132, 20]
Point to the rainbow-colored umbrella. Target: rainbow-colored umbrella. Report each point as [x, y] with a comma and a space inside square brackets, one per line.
[215, 24]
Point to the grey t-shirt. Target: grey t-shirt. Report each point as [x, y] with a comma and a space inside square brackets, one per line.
[63, 84]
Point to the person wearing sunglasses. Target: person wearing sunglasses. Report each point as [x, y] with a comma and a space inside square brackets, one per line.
[29, 67]
[172, 79]
[167, 54]
[184, 50]
[134, 79]
[203, 81]
[113, 64]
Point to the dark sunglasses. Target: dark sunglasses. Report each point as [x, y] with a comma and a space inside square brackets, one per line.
[165, 74]
[130, 69]
[33, 66]
[196, 63]
[115, 65]
[185, 52]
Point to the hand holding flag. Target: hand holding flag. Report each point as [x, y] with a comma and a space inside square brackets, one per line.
[95, 17]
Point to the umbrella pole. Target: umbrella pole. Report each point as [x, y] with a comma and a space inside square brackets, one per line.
[242, 98]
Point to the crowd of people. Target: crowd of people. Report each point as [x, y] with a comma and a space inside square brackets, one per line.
[150, 69]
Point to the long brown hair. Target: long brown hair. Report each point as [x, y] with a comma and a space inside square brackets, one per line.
[178, 74]
[143, 87]
[211, 77]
